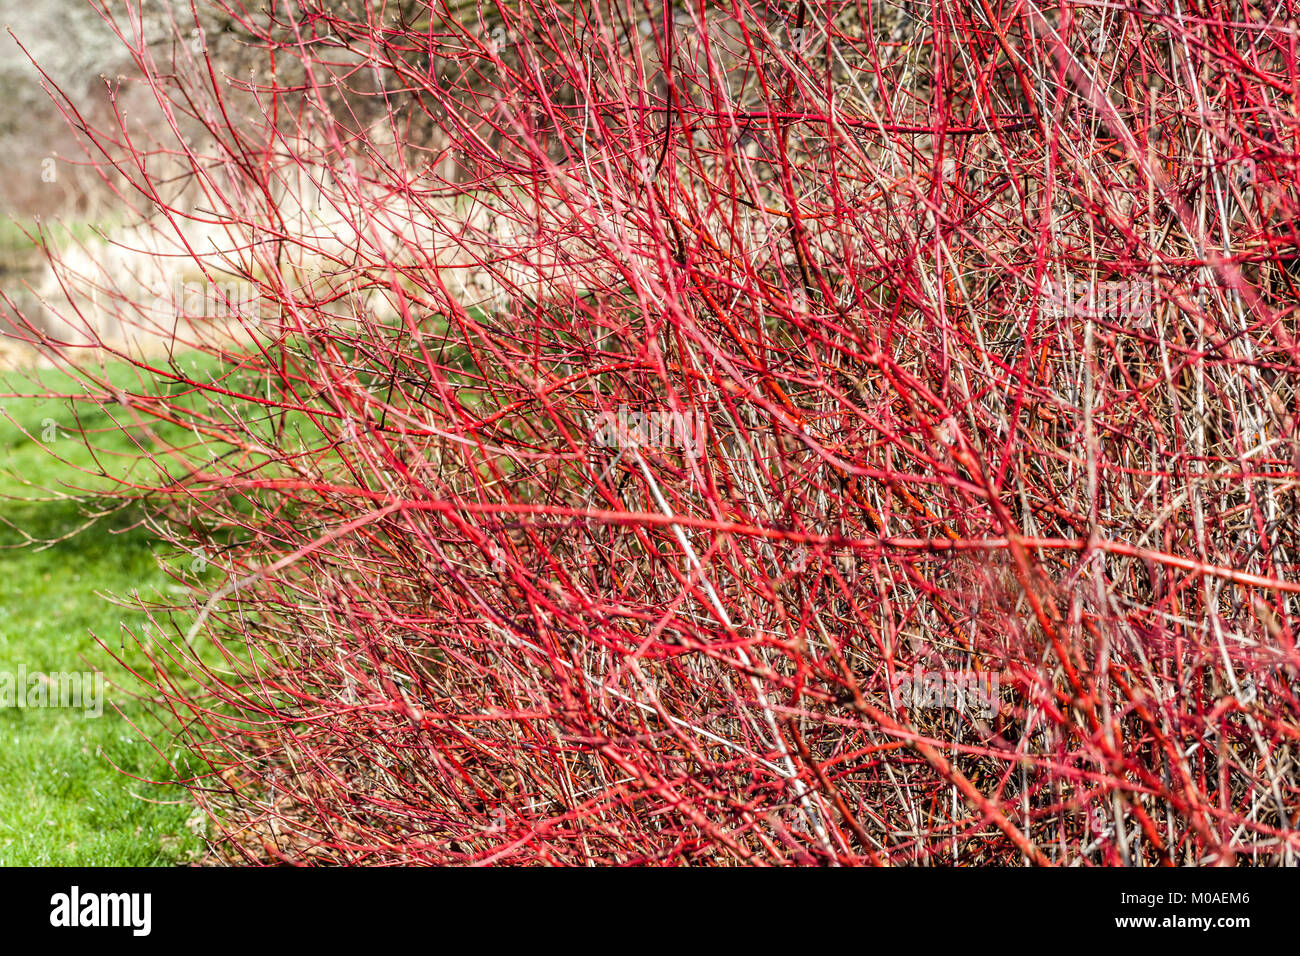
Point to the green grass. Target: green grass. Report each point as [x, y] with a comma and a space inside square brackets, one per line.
[62, 802]
[15, 235]
[67, 793]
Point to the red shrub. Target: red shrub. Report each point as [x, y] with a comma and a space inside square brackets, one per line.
[806, 432]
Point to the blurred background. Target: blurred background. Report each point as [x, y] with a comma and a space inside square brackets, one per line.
[49, 184]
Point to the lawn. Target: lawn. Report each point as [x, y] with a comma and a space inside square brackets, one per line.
[69, 793]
